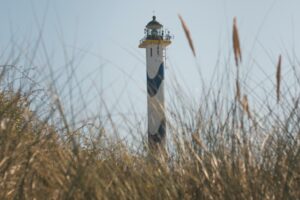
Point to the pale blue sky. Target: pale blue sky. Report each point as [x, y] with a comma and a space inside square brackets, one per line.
[104, 38]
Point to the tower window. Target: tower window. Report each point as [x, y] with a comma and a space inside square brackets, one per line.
[151, 52]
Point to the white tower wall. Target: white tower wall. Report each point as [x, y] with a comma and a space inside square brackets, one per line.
[155, 90]
[155, 41]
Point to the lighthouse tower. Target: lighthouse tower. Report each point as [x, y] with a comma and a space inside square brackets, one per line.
[155, 42]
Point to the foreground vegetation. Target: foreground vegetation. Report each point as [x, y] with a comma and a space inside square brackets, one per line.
[214, 153]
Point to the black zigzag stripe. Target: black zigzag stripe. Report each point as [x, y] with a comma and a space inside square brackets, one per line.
[157, 137]
[153, 84]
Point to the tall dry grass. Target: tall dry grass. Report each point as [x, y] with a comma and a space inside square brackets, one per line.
[214, 153]
[187, 34]
[278, 79]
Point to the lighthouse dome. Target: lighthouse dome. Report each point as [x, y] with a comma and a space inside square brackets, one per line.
[154, 24]
[154, 34]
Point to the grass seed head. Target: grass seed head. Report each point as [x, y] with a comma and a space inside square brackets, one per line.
[187, 34]
[236, 43]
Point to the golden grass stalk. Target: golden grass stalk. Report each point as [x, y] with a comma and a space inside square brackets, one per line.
[236, 43]
[238, 90]
[245, 105]
[187, 34]
[198, 141]
[278, 79]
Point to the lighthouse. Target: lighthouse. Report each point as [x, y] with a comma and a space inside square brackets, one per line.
[155, 41]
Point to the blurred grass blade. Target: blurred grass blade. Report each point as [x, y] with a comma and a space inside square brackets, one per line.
[278, 78]
[238, 90]
[245, 105]
[187, 34]
[236, 43]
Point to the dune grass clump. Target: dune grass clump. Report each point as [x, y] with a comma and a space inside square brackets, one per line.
[214, 151]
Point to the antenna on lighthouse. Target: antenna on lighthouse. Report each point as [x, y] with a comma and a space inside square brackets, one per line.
[155, 41]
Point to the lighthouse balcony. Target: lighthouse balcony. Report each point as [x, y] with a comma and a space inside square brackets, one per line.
[164, 40]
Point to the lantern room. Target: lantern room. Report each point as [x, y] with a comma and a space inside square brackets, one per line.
[155, 34]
